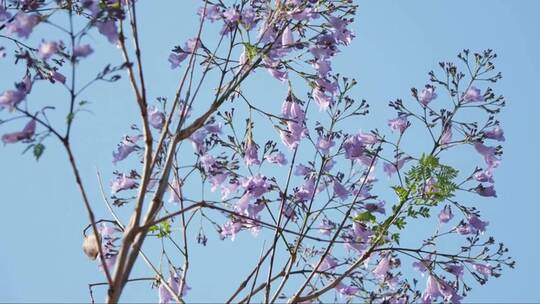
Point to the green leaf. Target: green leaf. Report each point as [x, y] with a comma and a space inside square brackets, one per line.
[38, 150]
[401, 193]
[251, 50]
[70, 117]
[365, 217]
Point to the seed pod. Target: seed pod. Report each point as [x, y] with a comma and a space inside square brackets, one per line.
[90, 246]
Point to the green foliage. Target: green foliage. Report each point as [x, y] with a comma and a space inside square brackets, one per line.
[365, 217]
[251, 51]
[162, 229]
[38, 150]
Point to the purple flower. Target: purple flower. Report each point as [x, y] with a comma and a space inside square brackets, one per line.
[484, 176]
[11, 98]
[328, 263]
[47, 49]
[423, 264]
[197, 140]
[346, 290]
[214, 128]
[390, 168]
[427, 95]
[56, 76]
[307, 190]
[341, 33]
[496, 133]
[382, 268]
[454, 269]
[477, 224]
[488, 191]
[324, 143]
[323, 67]
[472, 94]
[248, 19]
[231, 17]
[23, 24]
[446, 214]
[357, 237]
[26, 133]
[174, 281]
[432, 291]
[212, 13]
[125, 147]
[326, 227]
[251, 157]
[301, 170]
[277, 158]
[156, 118]
[322, 99]
[123, 182]
[108, 29]
[489, 154]
[340, 191]
[287, 39]
[4, 14]
[256, 185]
[293, 112]
[176, 58]
[230, 229]
[83, 51]
[375, 207]
[483, 269]
[446, 136]
[399, 123]
[354, 147]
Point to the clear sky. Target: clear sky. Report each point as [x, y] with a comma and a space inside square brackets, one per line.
[397, 43]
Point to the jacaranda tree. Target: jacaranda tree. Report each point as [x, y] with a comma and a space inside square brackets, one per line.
[332, 202]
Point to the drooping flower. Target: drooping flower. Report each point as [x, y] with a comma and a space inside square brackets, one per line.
[23, 24]
[108, 29]
[432, 291]
[326, 227]
[375, 207]
[251, 154]
[354, 147]
[446, 214]
[301, 170]
[382, 268]
[328, 264]
[4, 14]
[212, 12]
[484, 176]
[340, 191]
[477, 224]
[489, 154]
[26, 133]
[324, 143]
[307, 190]
[346, 290]
[487, 191]
[125, 148]
[484, 269]
[174, 282]
[123, 182]
[292, 110]
[156, 118]
[446, 136]
[423, 264]
[11, 98]
[496, 133]
[473, 94]
[399, 123]
[57, 76]
[287, 39]
[390, 168]
[277, 158]
[427, 95]
[256, 185]
[454, 269]
[47, 49]
[82, 51]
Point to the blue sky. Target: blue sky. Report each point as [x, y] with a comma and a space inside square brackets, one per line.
[397, 43]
